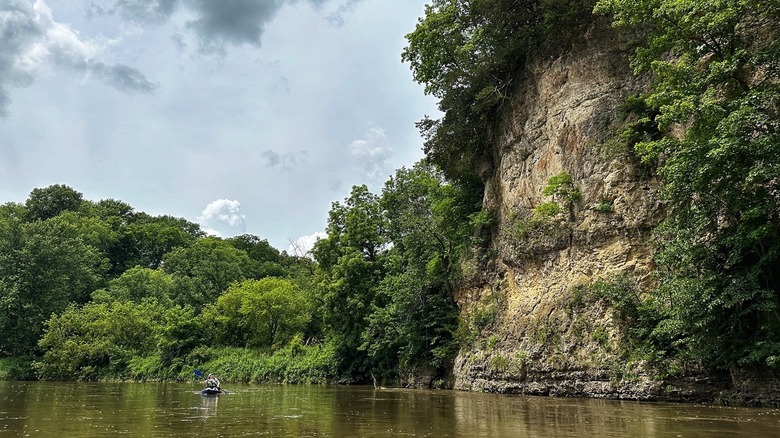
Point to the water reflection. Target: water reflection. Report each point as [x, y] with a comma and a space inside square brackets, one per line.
[89, 410]
[209, 405]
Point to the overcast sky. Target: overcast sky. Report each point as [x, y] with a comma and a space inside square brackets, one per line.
[246, 116]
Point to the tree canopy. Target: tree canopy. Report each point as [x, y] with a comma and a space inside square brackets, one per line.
[98, 290]
[468, 54]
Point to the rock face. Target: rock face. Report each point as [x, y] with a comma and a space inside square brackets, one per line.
[542, 317]
[531, 325]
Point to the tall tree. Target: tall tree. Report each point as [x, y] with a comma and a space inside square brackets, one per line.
[44, 266]
[429, 227]
[352, 263]
[466, 52]
[138, 284]
[147, 239]
[269, 261]
[428, 223]
[117, 216]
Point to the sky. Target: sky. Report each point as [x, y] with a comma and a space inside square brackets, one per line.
[246, 116]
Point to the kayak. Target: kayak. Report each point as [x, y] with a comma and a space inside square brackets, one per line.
[210, 391]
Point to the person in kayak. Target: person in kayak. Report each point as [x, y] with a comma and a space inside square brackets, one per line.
[212, 382]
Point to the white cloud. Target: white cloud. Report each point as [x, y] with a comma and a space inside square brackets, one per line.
[32, 39]
[223, 218]
[302, 246]
[372, 153]
[211, 231]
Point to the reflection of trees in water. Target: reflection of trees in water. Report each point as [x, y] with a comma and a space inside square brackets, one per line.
[173, 409]
[209, 405]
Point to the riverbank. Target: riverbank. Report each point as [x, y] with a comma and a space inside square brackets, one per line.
[314, 365]
[294, 365]
[735, 388]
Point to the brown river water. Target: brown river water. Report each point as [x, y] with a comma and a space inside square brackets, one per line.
[55, 409]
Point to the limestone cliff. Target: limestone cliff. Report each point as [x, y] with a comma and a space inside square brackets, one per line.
[532, 329]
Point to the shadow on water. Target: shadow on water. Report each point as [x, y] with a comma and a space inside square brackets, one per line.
[174, 409]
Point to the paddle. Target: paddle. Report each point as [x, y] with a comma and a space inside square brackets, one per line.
[199, 374]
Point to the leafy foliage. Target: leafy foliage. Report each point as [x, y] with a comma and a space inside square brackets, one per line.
[714, 99]
[388, 295]
[561, 187]
[138, 284]
[205, 269]
[83, 293]
[44, 265]
[259, 313]
[428, 225]
[270, 262]
[47, 202]
[82, 343]
[545, 210]
[292, 364]
[352, 259]
[147, 239]
[467, 53]
[105, 339]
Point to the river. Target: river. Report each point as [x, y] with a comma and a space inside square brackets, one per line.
[56, 409]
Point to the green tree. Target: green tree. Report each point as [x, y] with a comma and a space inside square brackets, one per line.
[352, 264]
[467, 53]
[98, 339]
[715, 96]
[138, 284]
[269, 261]
[178, 332]
[147, 239]
[114, 211]
[117, 216]
[259, 313]
[562, 189]
[44, 266]
[256, 248]
[428, 223]
[205, 269]
[93, 230]
[429, 227]
[47, 202]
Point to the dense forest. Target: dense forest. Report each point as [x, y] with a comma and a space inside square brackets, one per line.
[96, 290]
